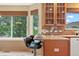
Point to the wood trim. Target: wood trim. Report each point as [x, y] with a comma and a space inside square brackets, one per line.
[69, 32]
[13, 13]
[55, 14]
[34, 12]
[74, 10]
[43, 15]
[65, 13]
[44, 48]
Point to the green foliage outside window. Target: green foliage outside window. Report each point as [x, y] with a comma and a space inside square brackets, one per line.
[35, 24]
[5, 26]
[19, 26]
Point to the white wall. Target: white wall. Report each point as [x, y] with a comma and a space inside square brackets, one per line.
[13, 8]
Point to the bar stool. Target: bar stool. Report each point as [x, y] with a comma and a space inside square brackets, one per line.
[33, 43]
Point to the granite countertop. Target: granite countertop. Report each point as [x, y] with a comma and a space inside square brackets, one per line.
[53, 37]
[71, 36]
[59, 37]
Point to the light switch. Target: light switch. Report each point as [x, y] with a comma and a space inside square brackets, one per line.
[56, 49]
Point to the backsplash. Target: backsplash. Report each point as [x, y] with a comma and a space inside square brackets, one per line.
[52, 30]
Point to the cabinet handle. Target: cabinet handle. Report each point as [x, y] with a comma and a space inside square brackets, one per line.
[56, 49]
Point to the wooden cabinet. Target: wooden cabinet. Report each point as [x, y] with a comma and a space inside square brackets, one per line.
[48, 14]
[60, 14]
[53, 15]
[56, 48]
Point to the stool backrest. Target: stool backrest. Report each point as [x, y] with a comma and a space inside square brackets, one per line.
[30, 42]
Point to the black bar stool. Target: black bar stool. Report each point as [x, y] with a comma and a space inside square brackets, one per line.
[33, 43]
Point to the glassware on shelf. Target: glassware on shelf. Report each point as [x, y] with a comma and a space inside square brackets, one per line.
[50, 9]
[45, 31]
[62, 11]
[60, 30]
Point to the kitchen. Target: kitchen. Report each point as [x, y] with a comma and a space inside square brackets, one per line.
[56, 22]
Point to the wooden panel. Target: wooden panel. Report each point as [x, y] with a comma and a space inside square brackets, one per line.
[72, 5]
[73, 10]
[69, 32]
[34, 12]
[51, 48]
[43, 15]
[13, 13]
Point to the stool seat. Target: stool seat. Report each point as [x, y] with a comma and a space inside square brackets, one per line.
[35, 44]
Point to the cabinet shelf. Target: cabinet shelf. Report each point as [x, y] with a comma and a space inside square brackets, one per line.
[49, 24]
[60, 18]
[49, 12]
[48, 6]
[50, 18]
[61, 25]
[61, 6]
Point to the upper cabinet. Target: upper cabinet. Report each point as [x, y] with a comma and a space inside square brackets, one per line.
[53, 17]
[48, 14]
[60, 14]
[53, 14]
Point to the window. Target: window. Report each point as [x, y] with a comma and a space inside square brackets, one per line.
[72, 20]
[35, 24]
[13, 26]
